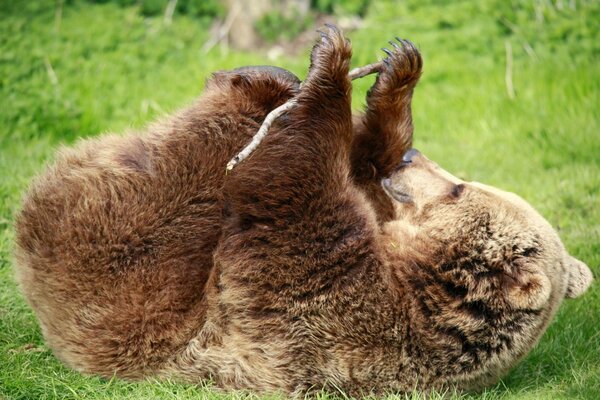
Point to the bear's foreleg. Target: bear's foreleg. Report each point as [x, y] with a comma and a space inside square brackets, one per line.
[297, 238]
[306, 154]
[385, 131]
[294, 224]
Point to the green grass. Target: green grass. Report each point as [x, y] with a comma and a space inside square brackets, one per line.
[105, 68]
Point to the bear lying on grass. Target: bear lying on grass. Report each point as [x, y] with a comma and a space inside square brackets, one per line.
[330, 258]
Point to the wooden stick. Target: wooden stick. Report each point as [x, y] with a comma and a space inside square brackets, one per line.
[508, 74]
[260, 135]
[356, 73]
[58, 8]
[366, 70]
[222, 31]
[169, 10]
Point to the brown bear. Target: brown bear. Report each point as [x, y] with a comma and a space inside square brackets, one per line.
[333, 257]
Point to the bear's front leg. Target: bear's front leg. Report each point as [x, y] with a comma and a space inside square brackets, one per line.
[385, 132]
[297, 245]
[293, 220]
[304, 159]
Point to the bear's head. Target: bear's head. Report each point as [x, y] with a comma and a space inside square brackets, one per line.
[505, 252]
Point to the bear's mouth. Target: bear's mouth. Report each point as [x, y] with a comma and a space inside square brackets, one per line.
[395, 193]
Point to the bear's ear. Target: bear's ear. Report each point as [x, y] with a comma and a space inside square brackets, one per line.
[528, 290]
[580, 277]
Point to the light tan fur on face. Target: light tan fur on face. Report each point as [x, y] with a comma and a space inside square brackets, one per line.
[493, 247]
[427, 184]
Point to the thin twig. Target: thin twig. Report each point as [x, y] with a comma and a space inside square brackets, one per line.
[52, 77]
[360, 72]
[260, 135]
[50, 71]
[508, 79]
[519, 34]
[273, 115]
[223, 30]
[169, 10]
[58, 8]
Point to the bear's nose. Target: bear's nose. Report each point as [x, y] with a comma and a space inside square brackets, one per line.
[407, 158]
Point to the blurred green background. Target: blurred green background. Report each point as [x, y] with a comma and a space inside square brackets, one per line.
[73, 69]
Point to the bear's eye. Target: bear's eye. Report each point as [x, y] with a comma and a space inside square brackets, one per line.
[457, 190]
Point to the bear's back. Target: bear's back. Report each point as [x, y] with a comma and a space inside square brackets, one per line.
[115, 241]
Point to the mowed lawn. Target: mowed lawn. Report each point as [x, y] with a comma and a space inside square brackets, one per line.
[99, 67]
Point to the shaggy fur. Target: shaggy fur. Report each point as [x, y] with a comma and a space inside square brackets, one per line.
[298, 270]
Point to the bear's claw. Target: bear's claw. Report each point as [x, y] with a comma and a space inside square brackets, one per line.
[330, 57]
[402, 66]
[323, 35]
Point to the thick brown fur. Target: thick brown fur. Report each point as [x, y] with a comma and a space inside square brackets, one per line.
[116, 239]
[298, 270]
